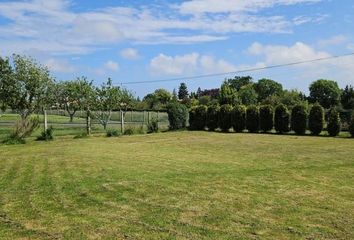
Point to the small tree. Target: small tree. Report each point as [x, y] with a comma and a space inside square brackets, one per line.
[281, 119]
[212, 117]
[197, 117]
[316, 119]
[299, 119]
[266, 118]
[225, 117]
[252, 119]
[333, 125]
[182, 91]
[228, 95]
[351, 126]
[326, 92]
[177, 115]
[239, 118]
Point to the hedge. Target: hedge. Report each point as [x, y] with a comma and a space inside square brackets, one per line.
[299, 119]
[225, 117]
[266, 118]
[212, 117]
[252, 119]
[239, 118]
[316, 119]
[281, 119]
[333, 125]
[197, 117]
[351, 126]
[177, 116]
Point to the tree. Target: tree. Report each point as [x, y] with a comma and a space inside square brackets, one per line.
[334, 124]
[182, 91]
[281, 119]
[239, 118]
[266, 88]
[351, 126]
[248, 95]
[347, 98]
[68, 96]
[225, 117]
[228, 95]
[5, 83]
[266, 118]
[212, 117]
[316, 119]
[238, 82]
[291, 98]
[159, 99]
[325, 92]
[252, 119]
[299, 119]
[177, 116]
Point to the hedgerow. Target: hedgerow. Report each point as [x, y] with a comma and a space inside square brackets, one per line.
[239, 118]
[266, 118]
[212, 117]
[281, 119]
[333, 125]
[316, 119]
[225, 117]
[299, 119]
[197, 117]
[252, 119]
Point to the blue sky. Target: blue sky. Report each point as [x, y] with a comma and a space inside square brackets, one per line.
[148, 40]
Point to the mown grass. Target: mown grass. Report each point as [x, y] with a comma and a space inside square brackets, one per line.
[178, 185]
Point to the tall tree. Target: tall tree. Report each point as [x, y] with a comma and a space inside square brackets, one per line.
[347, 98]
[228, 95]
[325, 92]
[248, 95]
[5, 83]
[238, 82]
[182, 91]
[266, 88]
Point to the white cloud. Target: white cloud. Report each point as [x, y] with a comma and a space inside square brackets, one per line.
[111, 66]
[130, 53]
[177, 65]
[59, 66]
[333, 41]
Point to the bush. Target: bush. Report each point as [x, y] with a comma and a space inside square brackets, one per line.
[177, 116]
[197, 117]
[113, 133]
[252, 119]
[47, 135]
[225, 117]
[281, 119]
[23, 129]
[316, 119]
[153, 126]
[266, 118]
[212, 117]
[81, 135]
[351, 126]
[299, 119]
[134, 130]
[239, 118]
[333, 126]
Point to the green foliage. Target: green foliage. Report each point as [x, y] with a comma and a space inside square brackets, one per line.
[47, 135]
[177, 116]
[266, 88]
[252, 118]
[248, 94]
[197, 117]
[316, 119]
[334, 124]
[204, 100]
[239, 118]
[238, 82]
[113, 133]
[347, 98]
[266, 118]
[182, 91]
[299, 119]
[22, 129]
[291, 98]
[351, 126]
[325, 92]
[6, 83]
[225, 117]
[281, 119]
[158, 99]
[134, 130]
[228, 95]
[153, 126]
[212, 117]
[81, 135]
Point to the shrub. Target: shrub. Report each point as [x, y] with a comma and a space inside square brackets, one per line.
[333, 126]
[316, 119]
[225, 117]
[153, 126]
[212, 117]
[197, 117]
[134, 130]
[47, 135]
[239, 118]
[177, 115]
[252, 119]
[299, 119]
[266, 118]
[23, 129]
[281, 119]
[351, 126]
[129, 131]
[81, 135]
[113, 133]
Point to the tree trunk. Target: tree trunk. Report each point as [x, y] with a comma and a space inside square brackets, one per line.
[122, 121]
[45, 120]
[88, 122]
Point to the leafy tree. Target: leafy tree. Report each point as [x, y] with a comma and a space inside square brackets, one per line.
[163, 96]
[69, 96]
[197, 117]
[228, 95]
[351, 126]
[325, 92]
[158, 100]
[213, 93]
[347, 97]
[6, 83]
[238, 82]
[281, 119]
[248, 95]
[212, 117]
[334, 123]
[266, 118]
[225, 117]
[316, 119]
[239, 118]
[252, 119]
[182, 91]
[299, 119]
[266, 88]
[204, 100]
[177, 115]
[291, 97]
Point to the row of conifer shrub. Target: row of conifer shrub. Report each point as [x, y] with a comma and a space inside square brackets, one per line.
[266, 118]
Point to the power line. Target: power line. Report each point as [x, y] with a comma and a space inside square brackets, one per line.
[236, 72]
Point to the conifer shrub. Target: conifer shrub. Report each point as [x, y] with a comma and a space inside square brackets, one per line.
[281, 119]
[299, 119]
[197, 117]
[225, 117]
[212, 117]
[177, 116]
[351, 125]
[252, 119]
[334, 124]
[266, 118]
[316, 119]
[239, 118]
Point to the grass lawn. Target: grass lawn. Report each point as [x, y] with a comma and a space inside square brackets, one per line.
[179, 185]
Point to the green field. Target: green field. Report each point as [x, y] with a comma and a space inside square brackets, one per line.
[178, 185]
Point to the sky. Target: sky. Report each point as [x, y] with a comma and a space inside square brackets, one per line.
[147, 40]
